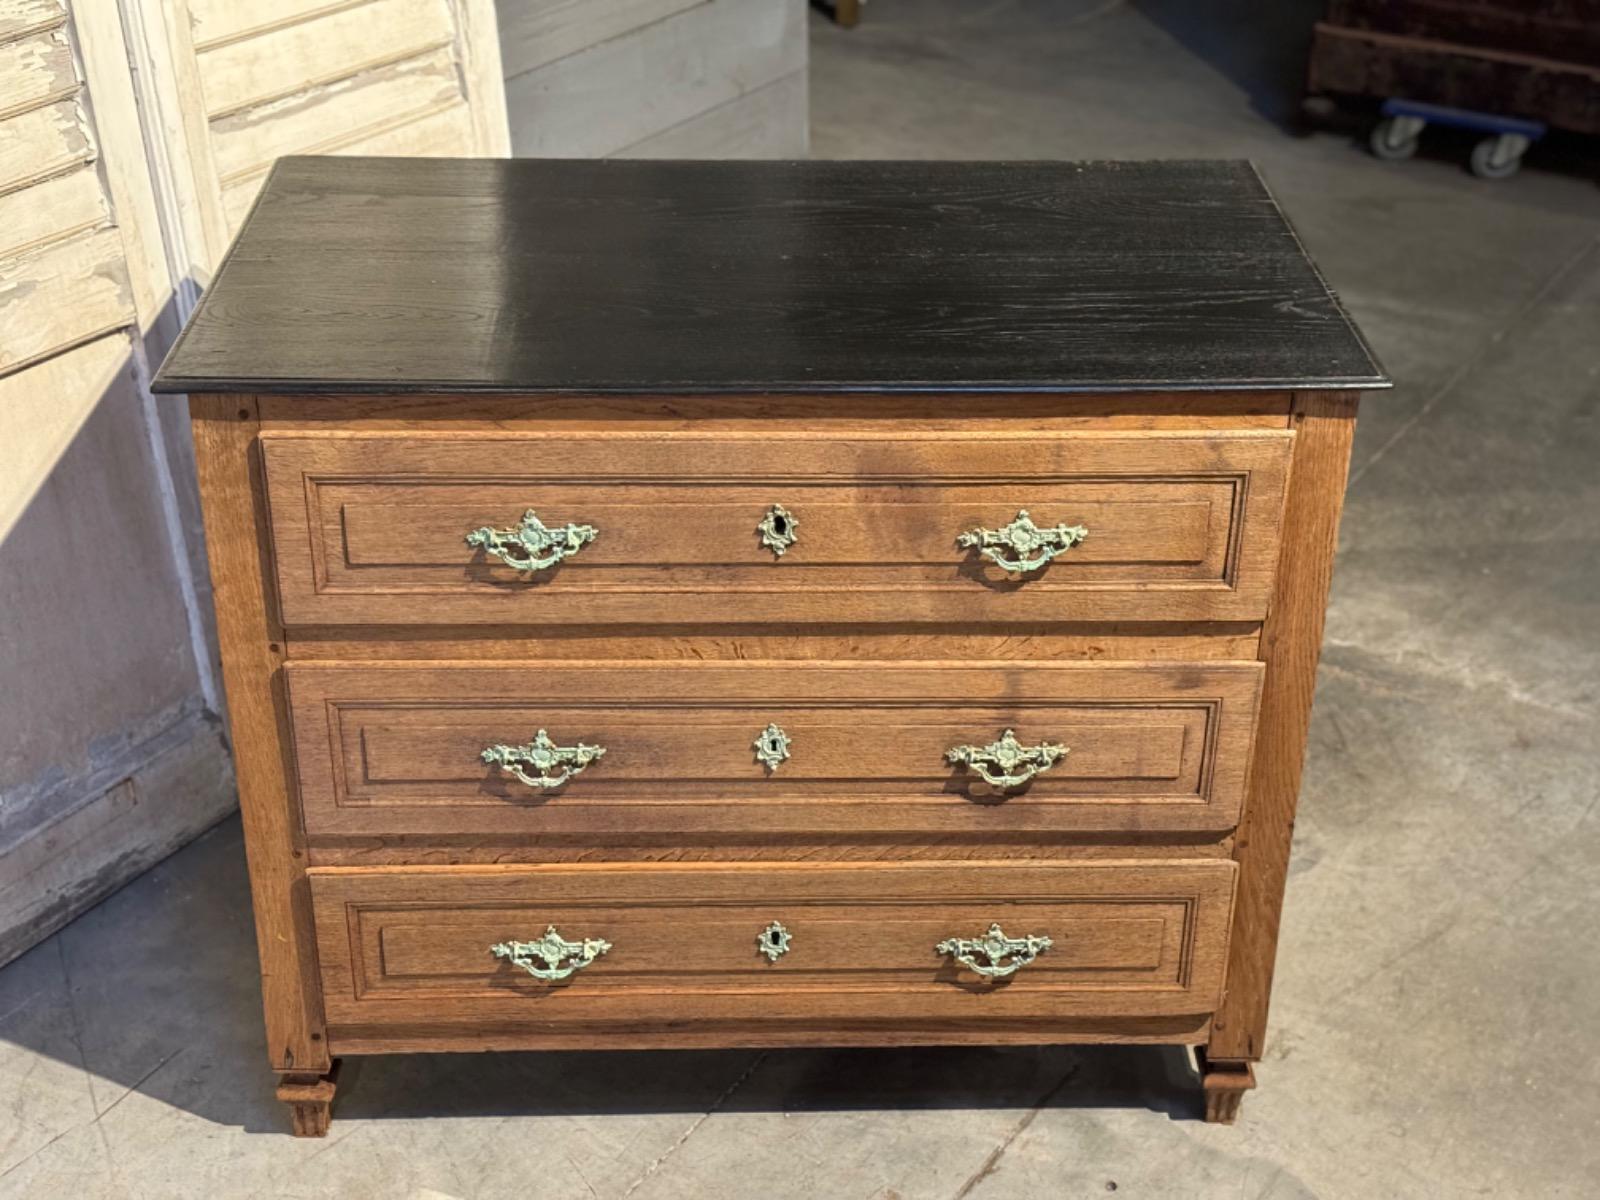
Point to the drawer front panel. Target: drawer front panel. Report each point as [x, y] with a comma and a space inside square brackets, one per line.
[414, 945]
[1174, 526]
[398, 749]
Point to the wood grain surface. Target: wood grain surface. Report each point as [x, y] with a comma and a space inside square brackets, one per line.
[519, 275]
[1291, 645]
[228, 465]
[393, 749]
[410, 946]
[1181, 525]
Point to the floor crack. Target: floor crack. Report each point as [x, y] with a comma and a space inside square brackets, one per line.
[77, 1026]
[992, 1162]
[660, 1160]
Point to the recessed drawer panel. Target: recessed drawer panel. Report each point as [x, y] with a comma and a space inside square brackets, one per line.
[598, 945]
[615, 749]
[665, 528]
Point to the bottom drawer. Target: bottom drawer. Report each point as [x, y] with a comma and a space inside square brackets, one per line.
[432, 950]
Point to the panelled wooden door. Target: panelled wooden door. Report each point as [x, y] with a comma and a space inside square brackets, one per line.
[236, 84]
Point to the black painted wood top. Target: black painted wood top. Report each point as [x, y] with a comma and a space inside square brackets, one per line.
[521, 275]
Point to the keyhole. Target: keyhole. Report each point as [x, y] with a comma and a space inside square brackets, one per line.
[772, 936]
[780, 526]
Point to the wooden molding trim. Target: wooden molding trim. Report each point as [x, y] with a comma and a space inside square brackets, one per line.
[1291, 642]
[253, 651]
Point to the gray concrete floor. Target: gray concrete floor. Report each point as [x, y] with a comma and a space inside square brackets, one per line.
[1434, 1030]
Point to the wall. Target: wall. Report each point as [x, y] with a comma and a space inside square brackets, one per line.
[133, 136]
[111, 753]
[655, 78]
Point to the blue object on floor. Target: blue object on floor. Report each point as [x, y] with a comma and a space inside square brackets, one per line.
[1461, 118]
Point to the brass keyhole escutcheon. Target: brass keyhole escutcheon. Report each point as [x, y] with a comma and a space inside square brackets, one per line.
[773, 941]
[777, 530]
[771, 747]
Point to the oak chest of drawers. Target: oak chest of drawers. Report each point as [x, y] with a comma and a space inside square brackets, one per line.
[692, 604]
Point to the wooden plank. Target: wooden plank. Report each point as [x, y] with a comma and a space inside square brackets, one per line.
[989, 412]
[536, 32]
[252, 653]
[21, 17]
[36, 70]
[247, 142]
[1188, 1029]
[55, 208]
[65, 294]
[1564, 30]
[588, 104]
[43, 142]
[1291, 644]
[217, 21]
[339, 45]
[441, 133]
[1365, 63]
[412, 852]
[1211, 641]
[770, 122]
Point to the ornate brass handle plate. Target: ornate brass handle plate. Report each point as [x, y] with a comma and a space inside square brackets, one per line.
[1032, 547]
[1007, 763]
[552, 956]
[541, 763]
[533, 546]
[1001, 955]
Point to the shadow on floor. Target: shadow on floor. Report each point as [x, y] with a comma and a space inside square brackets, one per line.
[156, 992]
[1155, 1078]
[1261, 48]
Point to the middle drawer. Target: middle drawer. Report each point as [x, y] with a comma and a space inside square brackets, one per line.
[757, 748]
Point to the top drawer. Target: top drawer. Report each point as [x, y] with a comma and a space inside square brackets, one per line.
[687, 528]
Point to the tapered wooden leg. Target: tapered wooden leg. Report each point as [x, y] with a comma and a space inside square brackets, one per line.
[1225, 1082]
[310, 1101]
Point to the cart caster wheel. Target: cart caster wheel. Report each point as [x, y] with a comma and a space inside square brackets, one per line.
[1498, 157]
[1395, 138]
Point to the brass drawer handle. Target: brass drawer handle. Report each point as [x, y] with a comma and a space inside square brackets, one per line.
[552, 956]
[552, 765]
[533, 546]
[996, 948]
[1023, 538]
[1007, 763]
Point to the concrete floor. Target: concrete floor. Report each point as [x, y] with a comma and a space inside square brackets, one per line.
[1434, 1030]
